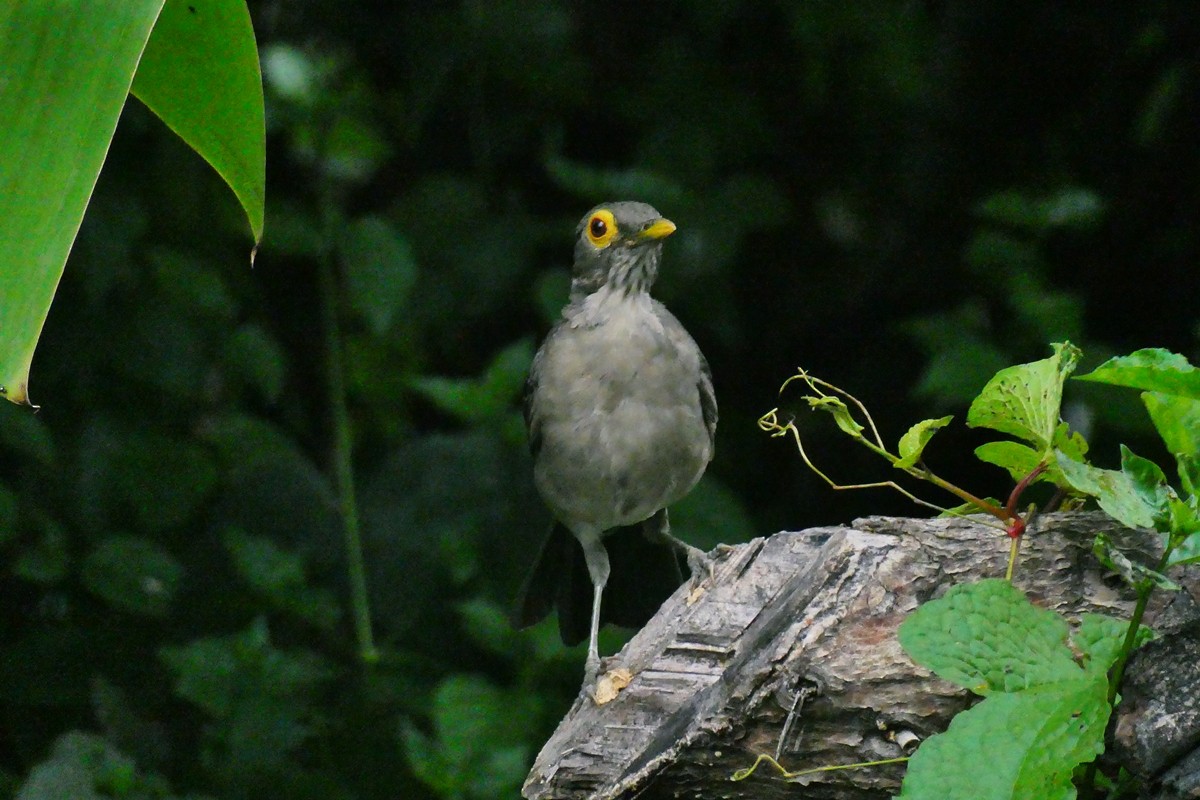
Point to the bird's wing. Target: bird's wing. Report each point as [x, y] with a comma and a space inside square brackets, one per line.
[533, 425]
[708, 399]
[704, 384]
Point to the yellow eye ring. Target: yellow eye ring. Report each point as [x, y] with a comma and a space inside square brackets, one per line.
[601, 228]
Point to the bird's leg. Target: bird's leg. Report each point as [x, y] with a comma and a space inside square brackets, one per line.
[596, 558]
[658, 527]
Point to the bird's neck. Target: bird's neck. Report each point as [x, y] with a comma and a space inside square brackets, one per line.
[606, 303]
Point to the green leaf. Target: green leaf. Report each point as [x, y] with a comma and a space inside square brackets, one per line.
[258, 359]
[988, 637]
[912, 443]
[1099, 639]
[588, 181]
[200, 75]
[47, 560]
[381, 271]
[78, 766]
[279, 576]
[1114, 491]
[1133, 573]
[1024, 400]
[1185, 530]
[486, 398]
[68, 68]
[1071, 206]
[133, 574]
[1020, 460]
[260, 698]
[1177, 420]
[1150, 483]
[1152, 369]
[480, 746]
[1017, 458]
[1019, 745]
[9, 504]
[1188, 468]
[841, 414]
[712, 514]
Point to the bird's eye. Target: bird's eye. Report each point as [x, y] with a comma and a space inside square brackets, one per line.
[602, 228]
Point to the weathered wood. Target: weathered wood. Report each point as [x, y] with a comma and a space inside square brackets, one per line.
[714, 680]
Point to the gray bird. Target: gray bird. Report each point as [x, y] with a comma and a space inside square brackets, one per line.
[621, 416]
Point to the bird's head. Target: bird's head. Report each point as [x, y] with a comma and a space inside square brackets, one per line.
[619, 245]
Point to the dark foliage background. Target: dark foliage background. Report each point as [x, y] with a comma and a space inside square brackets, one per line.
[899, 196]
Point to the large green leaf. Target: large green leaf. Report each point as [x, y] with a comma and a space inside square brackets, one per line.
[200, 75]
[1153, 369]
[68, 67]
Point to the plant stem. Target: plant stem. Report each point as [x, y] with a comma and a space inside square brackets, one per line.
[1117, 673]
[342, 445]
[983, 505]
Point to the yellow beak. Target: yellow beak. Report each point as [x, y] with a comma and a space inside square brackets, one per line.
[657, 230]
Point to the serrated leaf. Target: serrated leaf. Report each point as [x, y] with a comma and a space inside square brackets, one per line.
[133, 574]
[1114, 491]
[381, 271]
[1153, 369]
[913, 442]
[1133, 573]
[841, 414]
[987, 637]
[1019, 745]
[1024, 400]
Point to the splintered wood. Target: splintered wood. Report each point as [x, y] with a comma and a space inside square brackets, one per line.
[715, 682]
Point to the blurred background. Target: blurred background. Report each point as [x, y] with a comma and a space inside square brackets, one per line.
[901, 197]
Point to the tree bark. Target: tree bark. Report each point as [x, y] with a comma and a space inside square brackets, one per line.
[716, 674]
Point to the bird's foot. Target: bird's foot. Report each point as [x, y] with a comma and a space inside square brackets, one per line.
[602, 685]
[703, 567]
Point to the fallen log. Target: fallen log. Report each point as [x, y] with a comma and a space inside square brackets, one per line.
[790, 650]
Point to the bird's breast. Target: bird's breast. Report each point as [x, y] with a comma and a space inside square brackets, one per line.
[621, 424]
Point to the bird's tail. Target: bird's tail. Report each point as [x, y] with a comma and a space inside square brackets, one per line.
[643, 574]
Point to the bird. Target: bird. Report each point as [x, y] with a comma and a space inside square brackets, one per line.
[621, 419]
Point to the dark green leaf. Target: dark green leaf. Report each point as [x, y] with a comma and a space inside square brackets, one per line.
[279, 576]
[133, 574]
[256, 357]
[1071, 206]
[381, 271]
